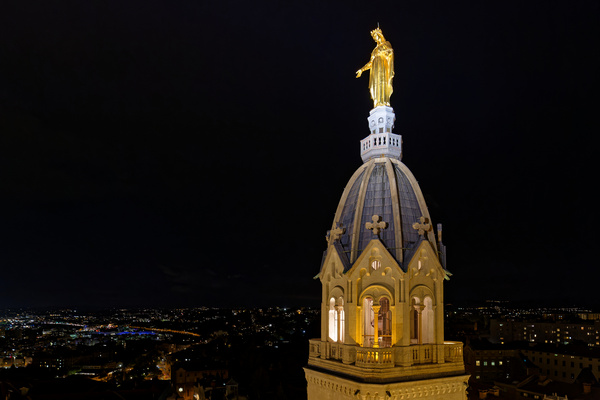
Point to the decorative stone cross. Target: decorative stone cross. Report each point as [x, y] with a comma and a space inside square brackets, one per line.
[334, 234]
[376, 225]
[422, 227]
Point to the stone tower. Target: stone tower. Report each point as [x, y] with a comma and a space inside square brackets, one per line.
[382, 275]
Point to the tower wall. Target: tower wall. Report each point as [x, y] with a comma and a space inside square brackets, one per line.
[324, 386]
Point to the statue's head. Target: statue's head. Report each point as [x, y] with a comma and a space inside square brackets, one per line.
[377, 35]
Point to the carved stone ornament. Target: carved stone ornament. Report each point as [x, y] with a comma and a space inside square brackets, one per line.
[334, 234]
[423, 227]
[377, 225]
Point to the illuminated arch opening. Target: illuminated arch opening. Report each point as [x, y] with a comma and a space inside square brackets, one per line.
[378, 320]
[336, 319]
[427, 321]
[385, 323]
[368, 322]
[414, 320]
[332, 320]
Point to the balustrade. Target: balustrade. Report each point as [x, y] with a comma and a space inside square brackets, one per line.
[453, 351]
[336, 351]
[374, 358]
[383, 143]
[381, 140]
[422, 354]
[386, 357]
[314, 346]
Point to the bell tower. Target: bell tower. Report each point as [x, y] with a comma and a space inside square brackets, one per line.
[382, 276]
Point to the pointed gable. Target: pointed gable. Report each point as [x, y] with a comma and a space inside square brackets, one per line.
[335, 254]
[423, 255]
[375, 249]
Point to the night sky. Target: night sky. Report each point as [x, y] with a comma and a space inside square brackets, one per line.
[193, 152]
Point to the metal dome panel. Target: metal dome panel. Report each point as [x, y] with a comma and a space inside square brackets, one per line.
[371, 193]
[378, 201]
[409, 209]
[348, 213]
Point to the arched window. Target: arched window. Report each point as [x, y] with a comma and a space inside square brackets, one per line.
[332, 320]
[336, 319]
[422, 321]
[385, 323]
[375, 265]
[341, 318]
[427, 320]
[377, 323]
[414, 319]
[368, 322]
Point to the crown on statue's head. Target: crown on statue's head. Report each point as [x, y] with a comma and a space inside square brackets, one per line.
[377, 31]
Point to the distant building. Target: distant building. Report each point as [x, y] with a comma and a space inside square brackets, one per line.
[589, 316]
[565, 363]
[525, 370]
[539, 387]
[192, 380]
[50, 361]
[489, 362]
[505, 331]
[17, 362]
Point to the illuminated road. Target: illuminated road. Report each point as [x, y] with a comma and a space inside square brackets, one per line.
[164, 330]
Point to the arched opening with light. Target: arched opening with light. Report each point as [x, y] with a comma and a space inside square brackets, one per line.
[377, 323]
[336, 319]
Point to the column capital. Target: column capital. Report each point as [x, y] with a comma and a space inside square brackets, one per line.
[419, 307]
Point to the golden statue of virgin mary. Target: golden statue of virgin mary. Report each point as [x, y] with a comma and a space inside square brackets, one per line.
[381, 65]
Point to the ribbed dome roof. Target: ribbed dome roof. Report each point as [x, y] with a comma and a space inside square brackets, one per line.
[382, 186]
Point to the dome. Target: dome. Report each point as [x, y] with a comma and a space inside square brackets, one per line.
[385, 187]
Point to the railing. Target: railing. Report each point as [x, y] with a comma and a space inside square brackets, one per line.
[383, 139]
[384, 143]
[453, 351]
[422, 354]
[386, 357]
[374, 358]
[328, 350]
[314, 348]
[336, 351]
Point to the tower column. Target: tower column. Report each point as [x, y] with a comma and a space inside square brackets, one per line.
[376, 325]
[339, 309]
[419, 309]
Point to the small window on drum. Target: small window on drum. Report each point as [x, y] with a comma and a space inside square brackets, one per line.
[375, 264]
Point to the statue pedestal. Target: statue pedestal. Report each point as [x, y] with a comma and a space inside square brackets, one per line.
[381, 141]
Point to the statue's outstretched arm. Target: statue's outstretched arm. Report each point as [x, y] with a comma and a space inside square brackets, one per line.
[363, 69]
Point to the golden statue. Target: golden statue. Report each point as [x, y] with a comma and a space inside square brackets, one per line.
[381, 65]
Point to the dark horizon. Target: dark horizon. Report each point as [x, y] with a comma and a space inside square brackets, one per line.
[195, 153]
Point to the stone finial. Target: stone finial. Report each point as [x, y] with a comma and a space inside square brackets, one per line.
[377, 225]
[334, 234]
[422, 227]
